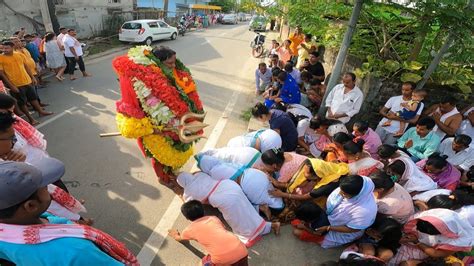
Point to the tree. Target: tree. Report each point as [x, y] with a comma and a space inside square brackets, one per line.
[341, 56]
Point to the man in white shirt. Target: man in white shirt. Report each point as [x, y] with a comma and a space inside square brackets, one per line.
[467, 124]
[391, 107]
[458, 151]
[60, 37]
[73, 53]
[263, 78]
[344, 100]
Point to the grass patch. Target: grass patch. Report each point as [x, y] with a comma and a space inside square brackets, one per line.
[246, 115]
[104, 45]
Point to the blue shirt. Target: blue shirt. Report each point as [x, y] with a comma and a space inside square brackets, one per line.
[422, 147]
[290, 91]
[34, 51]
[62, 251]
[289, 136]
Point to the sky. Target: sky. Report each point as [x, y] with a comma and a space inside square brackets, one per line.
[150, 3]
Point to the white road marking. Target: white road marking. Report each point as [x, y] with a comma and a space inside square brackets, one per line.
[205, 42]
[224, 33]
[153, 244]
[52, 119]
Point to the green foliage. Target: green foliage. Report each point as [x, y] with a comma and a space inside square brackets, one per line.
[394, 41]
[227, 5]
[459, 76]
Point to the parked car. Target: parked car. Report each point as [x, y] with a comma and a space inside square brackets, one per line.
[146, 31]
[258, 23]
[229, 19]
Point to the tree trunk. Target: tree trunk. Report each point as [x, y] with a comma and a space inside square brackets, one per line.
[341, 56]
[436, 60]
[418, 45]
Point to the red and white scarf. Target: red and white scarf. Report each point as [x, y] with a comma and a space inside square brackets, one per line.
[64, 204]
[29, 133]
[42, 233]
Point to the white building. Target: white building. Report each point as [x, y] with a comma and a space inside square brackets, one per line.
[86, 16]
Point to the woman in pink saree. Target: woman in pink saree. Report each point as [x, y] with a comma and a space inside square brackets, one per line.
[442, 172]
[437, 233]
[360, 161]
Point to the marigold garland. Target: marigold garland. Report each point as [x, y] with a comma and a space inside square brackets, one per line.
[164, 95]
[131, 127]
[163, 151]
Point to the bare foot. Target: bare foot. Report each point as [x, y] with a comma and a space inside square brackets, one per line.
[85, 74]
[86, 221]
[72, 78]
[44, 113]
[59, 78]
[34, 122]
[276, 227]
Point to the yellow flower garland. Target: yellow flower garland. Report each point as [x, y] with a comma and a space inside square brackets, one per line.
[133, 128]
[165, 153]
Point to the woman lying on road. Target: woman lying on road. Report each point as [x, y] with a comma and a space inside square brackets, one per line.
[280, 165]
[228, 198]
[254, 183]
[262, 140]
[245, 156]
[315, 179]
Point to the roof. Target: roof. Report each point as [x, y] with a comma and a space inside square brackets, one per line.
[207, 7]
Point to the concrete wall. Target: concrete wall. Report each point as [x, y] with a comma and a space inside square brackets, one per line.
[86, 16]
[11, 22]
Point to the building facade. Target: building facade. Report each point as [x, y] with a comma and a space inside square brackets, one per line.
[88, 17]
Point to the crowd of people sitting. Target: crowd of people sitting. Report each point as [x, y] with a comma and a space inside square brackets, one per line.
[400, 193]
[26, 58]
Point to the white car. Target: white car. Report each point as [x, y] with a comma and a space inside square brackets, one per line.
[146, 31]
[229, 19]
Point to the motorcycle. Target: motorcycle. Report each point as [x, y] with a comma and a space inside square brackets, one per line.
[257, 45]
[181, 29]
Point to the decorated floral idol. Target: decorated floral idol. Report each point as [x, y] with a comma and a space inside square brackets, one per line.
[160, 107]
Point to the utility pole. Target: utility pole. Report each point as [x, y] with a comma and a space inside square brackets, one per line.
[48, 25]
[341, 56]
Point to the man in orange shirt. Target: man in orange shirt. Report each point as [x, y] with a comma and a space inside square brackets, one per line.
[224, 247]
[20, 80]
[296, 39]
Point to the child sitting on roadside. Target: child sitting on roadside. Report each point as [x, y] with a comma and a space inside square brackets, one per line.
[224, 247]
[408, 112]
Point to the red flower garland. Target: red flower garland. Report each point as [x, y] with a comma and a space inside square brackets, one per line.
[157, 83]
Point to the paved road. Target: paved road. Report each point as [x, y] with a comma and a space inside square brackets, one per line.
[119, 185]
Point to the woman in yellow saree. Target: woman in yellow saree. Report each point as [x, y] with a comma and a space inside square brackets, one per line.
[315, 180]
